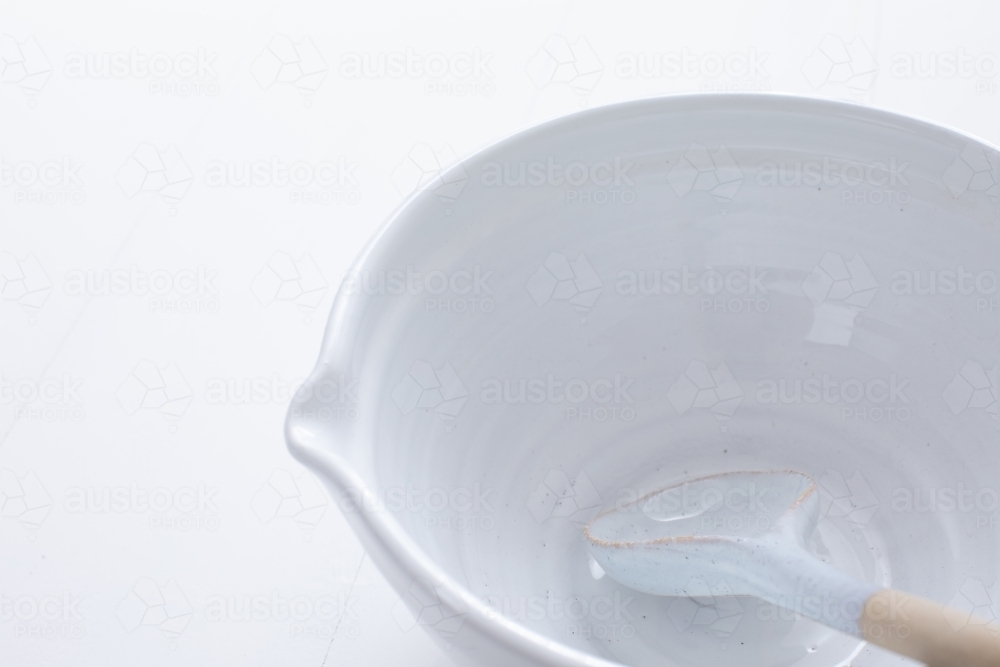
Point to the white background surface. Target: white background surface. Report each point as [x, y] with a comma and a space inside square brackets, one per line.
[68, 569]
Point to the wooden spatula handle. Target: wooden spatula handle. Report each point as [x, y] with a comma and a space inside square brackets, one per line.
[936, 635]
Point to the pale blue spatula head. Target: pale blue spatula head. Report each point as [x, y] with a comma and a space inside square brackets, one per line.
[747, 529]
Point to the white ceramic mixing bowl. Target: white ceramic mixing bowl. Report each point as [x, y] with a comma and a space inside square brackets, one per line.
[647, 293]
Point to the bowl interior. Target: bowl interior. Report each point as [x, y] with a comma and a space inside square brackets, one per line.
[658, 291]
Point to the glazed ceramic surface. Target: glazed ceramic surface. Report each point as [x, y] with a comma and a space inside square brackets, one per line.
[647, 293]
[658, 546]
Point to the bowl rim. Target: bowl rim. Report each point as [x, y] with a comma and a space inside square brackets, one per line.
[315, 452]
